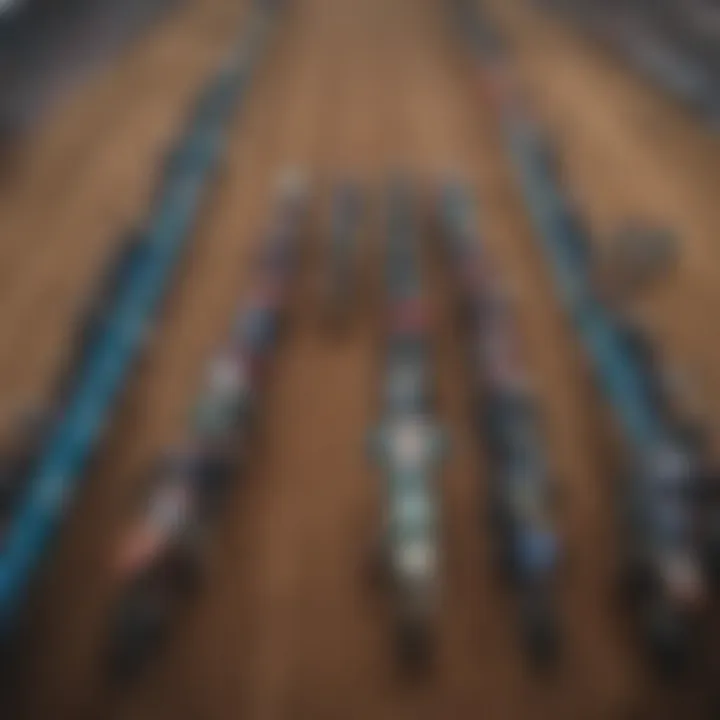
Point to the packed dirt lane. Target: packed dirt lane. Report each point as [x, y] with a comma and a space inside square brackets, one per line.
[289, 626]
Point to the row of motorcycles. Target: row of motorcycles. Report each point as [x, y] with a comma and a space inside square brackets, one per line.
[667, 475]
[160, 557]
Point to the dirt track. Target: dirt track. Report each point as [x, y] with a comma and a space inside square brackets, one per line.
[288, 627]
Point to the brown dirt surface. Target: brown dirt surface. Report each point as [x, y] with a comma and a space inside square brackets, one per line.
[288, 627]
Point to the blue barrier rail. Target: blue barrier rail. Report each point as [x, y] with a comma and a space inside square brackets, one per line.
[622, 378]
[56, 479]
[567, 246]
[660, 554]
